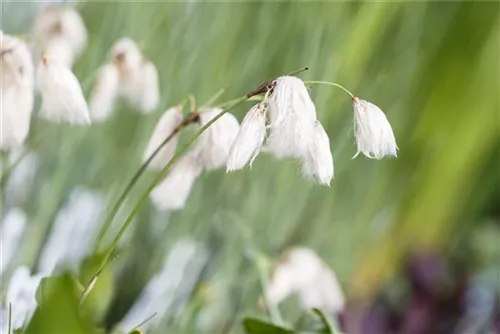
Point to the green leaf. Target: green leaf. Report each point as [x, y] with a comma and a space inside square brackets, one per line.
[49, 284]
[327, 322]
[97, 301]
[58, 311]
[136, 331]
[256, 326]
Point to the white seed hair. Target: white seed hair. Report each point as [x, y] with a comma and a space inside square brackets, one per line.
[172, 193]
[150, 96]
[62, 96]
[165, 127]
[60, 49]
[374, 136]
[292, 113]
[215, 143]
[318, 161]
[104, 93]
[247, 144]
[17, 91]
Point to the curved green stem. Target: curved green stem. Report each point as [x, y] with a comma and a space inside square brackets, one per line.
[190, 118]
[330, 84]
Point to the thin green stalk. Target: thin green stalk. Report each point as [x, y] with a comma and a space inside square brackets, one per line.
[228, 103]
[109, 218]
[330, 84]
[214, 98]
[9, 328]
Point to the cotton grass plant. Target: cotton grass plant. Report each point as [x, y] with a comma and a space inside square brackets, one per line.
[283, 122]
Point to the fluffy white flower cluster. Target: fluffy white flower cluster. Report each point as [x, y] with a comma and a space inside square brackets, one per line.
[294, 131]
[300, 271]
[210, 153]
[62, 35]
[288, 118]
[61, 32]
[127, 75]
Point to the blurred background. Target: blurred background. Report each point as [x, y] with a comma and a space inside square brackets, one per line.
[413, 241]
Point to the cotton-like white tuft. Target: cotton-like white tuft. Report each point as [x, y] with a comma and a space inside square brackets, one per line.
[374, 136]
[318, 161]
[247, 144]
[165, 127]
[301, 271]
[73, 29]
[17, 91]
[292, 114]
[105, 92]
[172, 193]
[215, 143]
[150, 88]
[60, 49]
[62, 96]
[126, 53]
[62, 33]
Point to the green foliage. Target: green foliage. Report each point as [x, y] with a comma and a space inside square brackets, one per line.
[257, 326]
[58, 311]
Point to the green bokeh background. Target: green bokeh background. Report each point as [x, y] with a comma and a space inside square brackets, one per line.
[432, 67]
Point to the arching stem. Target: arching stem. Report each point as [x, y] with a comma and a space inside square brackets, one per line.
[330, 84]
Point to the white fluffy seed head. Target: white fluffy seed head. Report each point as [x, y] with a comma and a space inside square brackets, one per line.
[105, 92]
[60, 49]
[292, 113]
[247, 144]
[16, 62]
[317, 163]
[301, 271]
[215, 143]
[17, 87]
[165, 127]
[150, 96]
[62, 96]
[374, 136]
[172, 193]
[127, 55]
[62, 32]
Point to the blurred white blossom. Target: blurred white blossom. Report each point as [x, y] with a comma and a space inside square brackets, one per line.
[62, 33]
[20, 180]
[17, 91]
[21, 296]
[171, 288]
[165, 127]
[62, 96]
[301, 271]
[105, 92]
[172, 193]
[374, 136]
[250, 137]
[128, 75]
[73, 232]
[215, 143]
[12, 227]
